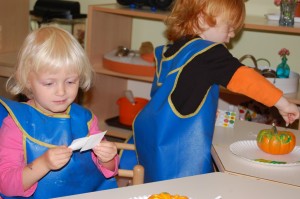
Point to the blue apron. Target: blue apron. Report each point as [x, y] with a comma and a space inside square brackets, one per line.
[170, 145]
[80, 175]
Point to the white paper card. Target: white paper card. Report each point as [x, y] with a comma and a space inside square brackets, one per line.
[78, 143]
[87, 143]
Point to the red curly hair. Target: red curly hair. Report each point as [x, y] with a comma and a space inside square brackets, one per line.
[184, 17]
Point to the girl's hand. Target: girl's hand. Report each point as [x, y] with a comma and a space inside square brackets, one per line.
[105, 151]
[53, 159]
[57, 157]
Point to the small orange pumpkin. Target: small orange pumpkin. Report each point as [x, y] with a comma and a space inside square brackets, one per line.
[276, 142]
[165, 195]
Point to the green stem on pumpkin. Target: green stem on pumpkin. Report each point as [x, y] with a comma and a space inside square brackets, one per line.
[274, 128]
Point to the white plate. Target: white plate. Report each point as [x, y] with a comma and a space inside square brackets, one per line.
[275, 17]
[140, 197]
[248, 150]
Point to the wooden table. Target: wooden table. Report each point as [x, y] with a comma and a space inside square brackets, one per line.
[227, 162]
[208, 186]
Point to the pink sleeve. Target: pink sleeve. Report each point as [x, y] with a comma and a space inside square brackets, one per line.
[12, 160]
[106, 172]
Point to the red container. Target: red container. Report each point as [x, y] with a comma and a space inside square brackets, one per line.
[128, 111]
[297, 10]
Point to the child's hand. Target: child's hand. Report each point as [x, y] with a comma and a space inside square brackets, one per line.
[288, 111]
[290, 114]
[105, 151]
[57, 157]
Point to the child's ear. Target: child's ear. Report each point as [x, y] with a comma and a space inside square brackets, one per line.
[201, 20]
[202, 24]
[28, 84]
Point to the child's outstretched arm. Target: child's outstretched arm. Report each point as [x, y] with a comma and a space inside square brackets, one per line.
[252, 84]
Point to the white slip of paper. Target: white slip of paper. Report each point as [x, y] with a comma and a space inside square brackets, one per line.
[87, 143]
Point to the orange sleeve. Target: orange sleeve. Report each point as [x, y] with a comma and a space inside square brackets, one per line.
[248, 82]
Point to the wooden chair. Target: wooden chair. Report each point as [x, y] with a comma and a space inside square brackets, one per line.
[129, 177]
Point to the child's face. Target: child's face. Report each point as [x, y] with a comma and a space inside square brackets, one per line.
[53, 92]
[221, 32]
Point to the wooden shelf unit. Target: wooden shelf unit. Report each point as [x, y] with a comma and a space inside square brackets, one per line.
[14, 27]
[257, 23]
[110, 26]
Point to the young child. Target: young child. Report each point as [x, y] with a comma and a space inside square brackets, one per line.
[173, 133]
[34, 137]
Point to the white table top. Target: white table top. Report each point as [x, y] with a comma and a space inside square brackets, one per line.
[228, 162]
[208, 186]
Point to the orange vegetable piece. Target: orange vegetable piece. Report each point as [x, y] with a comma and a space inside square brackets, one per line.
[276, 142]
[165, 195]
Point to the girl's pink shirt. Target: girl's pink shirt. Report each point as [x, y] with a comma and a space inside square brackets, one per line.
[12, 159]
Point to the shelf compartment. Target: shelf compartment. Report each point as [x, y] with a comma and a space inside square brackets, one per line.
[260, 23]
[145, 13]
[131, 65]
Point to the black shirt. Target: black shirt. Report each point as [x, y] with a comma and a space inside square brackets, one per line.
[214, 66]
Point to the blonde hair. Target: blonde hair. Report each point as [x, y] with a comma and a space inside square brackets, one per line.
[49, 49]
[184, 18]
